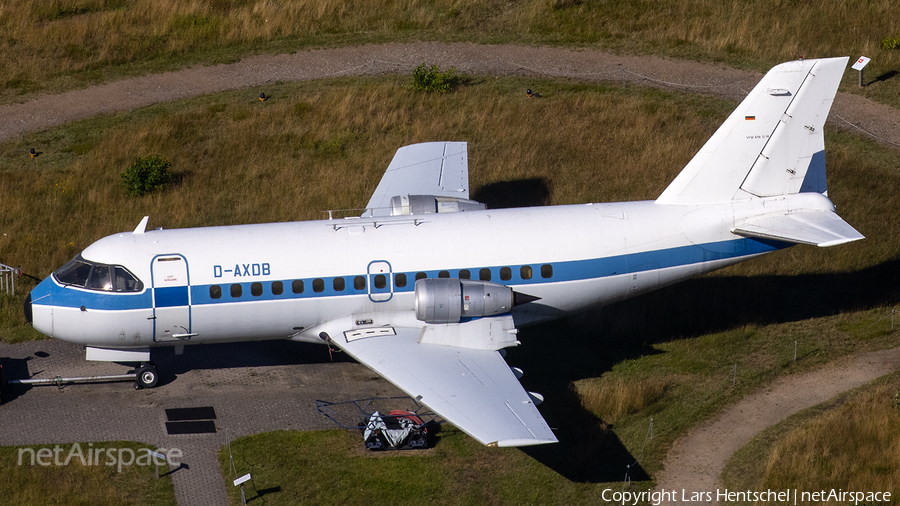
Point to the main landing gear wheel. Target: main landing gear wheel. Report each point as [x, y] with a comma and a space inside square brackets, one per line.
[147, 376]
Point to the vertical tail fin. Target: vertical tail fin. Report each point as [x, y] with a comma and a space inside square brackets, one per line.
[772, 144]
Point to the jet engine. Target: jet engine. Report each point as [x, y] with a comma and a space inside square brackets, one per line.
[449, 300]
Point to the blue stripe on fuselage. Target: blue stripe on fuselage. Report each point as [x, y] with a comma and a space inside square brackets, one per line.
[572, 270]
[171, 296]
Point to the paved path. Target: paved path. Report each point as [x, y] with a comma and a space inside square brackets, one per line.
[695, 462]
[849, 110]
[277, 391]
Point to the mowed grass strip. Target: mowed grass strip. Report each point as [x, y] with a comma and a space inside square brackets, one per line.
[74, 484]
[333, 468]
[54, 45]
[848, 443]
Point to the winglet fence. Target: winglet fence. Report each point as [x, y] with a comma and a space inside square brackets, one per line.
[8, 277]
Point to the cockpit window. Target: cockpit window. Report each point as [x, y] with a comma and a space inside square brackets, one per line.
[75, 273]
[126, 282]
[100, 279]
[96, 276]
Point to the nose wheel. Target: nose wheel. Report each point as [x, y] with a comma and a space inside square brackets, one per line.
[147, 376]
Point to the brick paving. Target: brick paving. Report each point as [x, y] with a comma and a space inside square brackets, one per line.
[253, 387]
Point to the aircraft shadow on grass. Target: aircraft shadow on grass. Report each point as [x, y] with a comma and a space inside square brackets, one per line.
[554, 355]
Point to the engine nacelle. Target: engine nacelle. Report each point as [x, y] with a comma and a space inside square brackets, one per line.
[449, 300]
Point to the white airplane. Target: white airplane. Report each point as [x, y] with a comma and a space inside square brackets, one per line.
[427, 287]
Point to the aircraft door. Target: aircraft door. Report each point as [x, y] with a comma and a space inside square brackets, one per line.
[381, 283]
[171, 298]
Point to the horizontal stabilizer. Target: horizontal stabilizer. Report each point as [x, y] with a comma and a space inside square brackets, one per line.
[819, 228]
[440, 169]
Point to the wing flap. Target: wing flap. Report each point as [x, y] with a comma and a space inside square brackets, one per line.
[819, 228]
[475, 390]
[430, 168]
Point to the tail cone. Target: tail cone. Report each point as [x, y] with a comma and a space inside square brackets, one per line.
[523, 298]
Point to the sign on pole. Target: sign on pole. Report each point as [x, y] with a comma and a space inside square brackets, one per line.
[860, 65]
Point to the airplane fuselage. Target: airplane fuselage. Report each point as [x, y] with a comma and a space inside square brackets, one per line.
[272, 281]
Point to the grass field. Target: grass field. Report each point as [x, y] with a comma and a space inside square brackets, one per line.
[688, 380]
[324, 145]
[53, 45]
[311, 147]
[81, 485]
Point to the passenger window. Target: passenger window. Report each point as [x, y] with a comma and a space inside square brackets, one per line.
[236, 290]
[256, 289]
[400, 280]
[465, 274]
[525, 272]
[277, 288]
[546, 271]
[318, 285]
[444, 274]
[484, 274]
[215, 292]
[505, 273]
[380, 281]
[359, 283]
[297, 286]
[338, 284]
[100, 279]
[421, 275]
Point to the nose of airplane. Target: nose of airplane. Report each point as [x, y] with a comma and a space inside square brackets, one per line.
[28, 313]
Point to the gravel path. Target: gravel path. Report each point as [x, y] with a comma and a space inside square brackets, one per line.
[850, 111]
[695, 462]
[284, 395]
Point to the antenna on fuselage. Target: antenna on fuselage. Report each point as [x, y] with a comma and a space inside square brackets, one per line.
[142, 226]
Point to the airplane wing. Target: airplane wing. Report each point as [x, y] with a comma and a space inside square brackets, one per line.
[473, 389]
[819, 228]
[431, 168]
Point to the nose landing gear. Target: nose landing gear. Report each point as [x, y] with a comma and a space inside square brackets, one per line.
[147, 376]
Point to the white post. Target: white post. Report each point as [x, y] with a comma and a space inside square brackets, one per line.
[860, 65]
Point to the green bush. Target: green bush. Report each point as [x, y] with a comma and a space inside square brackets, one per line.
[146, 175]
[891, 43]
[431, 78]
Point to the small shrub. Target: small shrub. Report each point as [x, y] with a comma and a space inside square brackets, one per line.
[891, 43]
[146, 175]
[431, 78]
